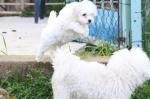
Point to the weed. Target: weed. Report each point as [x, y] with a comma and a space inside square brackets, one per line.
[105, 49]
[142, 92]
[34, 85]
[3, 49]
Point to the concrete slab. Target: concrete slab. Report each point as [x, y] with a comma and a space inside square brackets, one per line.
[22, 37]
[21, 34]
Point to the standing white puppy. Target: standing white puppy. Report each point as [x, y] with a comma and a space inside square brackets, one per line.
[72, 21]
[74, 78]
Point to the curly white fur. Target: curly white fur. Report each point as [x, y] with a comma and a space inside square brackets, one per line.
[74, 78]
[71, 23]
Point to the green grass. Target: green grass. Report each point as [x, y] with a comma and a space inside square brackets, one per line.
[34, 85]
[28, 12]
[37, 85]
[105, 49]
[142, 92]
[146, 37]
[147, 23]
[4, 45]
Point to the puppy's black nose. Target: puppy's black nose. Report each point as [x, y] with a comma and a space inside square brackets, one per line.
[89, 21]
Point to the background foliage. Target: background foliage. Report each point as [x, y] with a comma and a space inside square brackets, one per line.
[29, 11]
[142, 92]
[37, 85]
[102, 49]
[34, 85]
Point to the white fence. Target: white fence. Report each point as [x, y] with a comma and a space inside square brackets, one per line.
[15, 8]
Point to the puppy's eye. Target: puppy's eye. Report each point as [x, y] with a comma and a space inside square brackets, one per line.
[84, 14]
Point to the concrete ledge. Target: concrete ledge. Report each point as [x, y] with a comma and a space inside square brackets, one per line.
[100, 59]
[20, 58]
[31, 59]
[22, 64]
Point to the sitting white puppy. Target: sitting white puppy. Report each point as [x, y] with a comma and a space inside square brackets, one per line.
[72, 22]
[74, 78]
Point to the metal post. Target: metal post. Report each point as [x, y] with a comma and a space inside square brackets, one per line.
[94, 1]
[136, 23]
[22, 5]
[103, 20]
[111, 32]
[126, 20]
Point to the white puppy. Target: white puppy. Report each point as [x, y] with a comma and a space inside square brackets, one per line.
[74, 78]
[71, 23]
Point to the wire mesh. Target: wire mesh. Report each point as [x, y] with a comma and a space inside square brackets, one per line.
[106, 24]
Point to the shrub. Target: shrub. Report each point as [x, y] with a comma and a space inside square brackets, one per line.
[142, 92]
[29, 11]
[105, 49]
[34, 85]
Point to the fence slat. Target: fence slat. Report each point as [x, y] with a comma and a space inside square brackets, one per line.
[10, 4]
[10, 12]
[62, 3]
[22, 5]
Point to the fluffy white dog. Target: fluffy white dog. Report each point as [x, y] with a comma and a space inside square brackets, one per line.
[74, 78]
[71, 23]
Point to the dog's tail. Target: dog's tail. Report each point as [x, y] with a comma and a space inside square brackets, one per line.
[141, 61]
[52, 16]
[118, 60]
[63, 57]
[133, 63]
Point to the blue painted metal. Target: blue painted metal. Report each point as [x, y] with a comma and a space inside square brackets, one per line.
[105, 26]
[136, 23]
[112, 24]
[94, 1]
[108, 24]
[102, 21]
[125, 19]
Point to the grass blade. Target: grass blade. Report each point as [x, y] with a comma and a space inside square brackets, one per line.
[4, 44]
